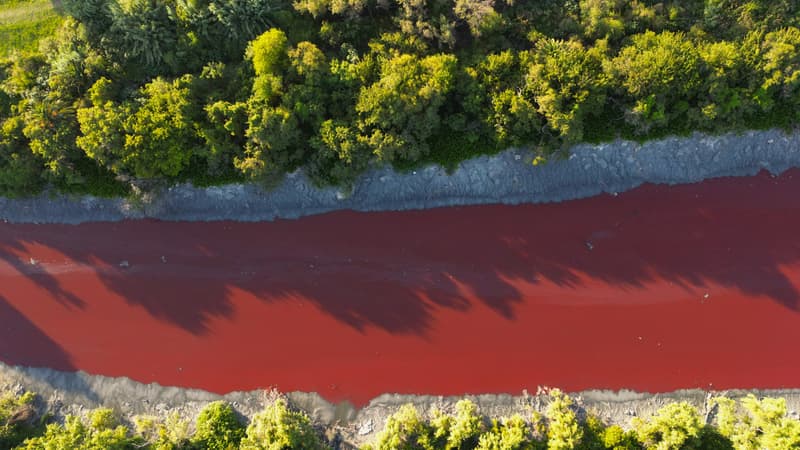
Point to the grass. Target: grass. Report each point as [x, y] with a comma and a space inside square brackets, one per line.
[24, 22]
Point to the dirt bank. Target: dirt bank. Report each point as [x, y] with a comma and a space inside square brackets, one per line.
[75, 393]
[508, 178]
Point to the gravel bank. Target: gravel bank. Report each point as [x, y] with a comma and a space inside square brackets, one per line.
[76, 393]
[508, 178]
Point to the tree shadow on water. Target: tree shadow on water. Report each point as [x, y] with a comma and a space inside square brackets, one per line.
[22, 343]
[394, 271]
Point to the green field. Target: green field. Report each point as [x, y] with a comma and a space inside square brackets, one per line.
[24, 22]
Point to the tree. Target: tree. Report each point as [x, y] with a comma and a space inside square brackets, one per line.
[148, 137]
[568, 84]
[510, 434]
[725, 96]
[465, 428]
[340, 154]
[508, 111]
[402, 431]
[102, 431]
[677, 425]
[95, 15]
[758, 424]
[224, 133]
[279, 428]
[400, 112]
[18, 416]
[428, 19]
[269, 53]
[602, 18]
[563, 430]
[143, 35]
[321, 8]
[219, 30]
[658, 75]
[479, 15]
[780, 65]
[218, 427]
[274, 144]
[20, 170]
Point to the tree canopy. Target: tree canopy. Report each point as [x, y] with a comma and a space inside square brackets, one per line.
[218, 90]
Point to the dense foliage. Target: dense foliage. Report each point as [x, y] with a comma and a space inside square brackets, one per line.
[220, 90]
[750, 423]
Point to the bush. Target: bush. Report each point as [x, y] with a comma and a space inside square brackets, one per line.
[102, 431]
[18, 418]
[279, 428]
[218, 427]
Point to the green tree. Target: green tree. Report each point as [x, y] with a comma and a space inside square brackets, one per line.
[218, 427]
[279, 428]
[465, 428]
[780, 65]
[563, 430]
[510, 434]
[400, 112]
[171, 433]
[269, 53]
[321, 8]
[149, 137]
[403, 431]
[143, 35]
[431, 20]
[102, 431]
[479, 15]
[758, 424]
[219, 30]
[19, 419]
[658, 75]
[602, 18]
[502, 100]
[20, 170]
[568, 84]
[274, 144]
[224, 133]
[676, 425]
[340, 154]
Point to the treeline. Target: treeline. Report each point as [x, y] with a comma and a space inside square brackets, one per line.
[221, 90]
[748, 424]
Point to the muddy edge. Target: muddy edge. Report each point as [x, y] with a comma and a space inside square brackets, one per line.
[508, 177]
[63, 393]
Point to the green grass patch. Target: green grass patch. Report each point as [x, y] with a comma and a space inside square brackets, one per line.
[23, 23]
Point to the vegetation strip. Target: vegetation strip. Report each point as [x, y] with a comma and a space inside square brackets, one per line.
[215, 91]
[87, 412]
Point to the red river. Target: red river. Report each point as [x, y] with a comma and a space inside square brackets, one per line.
[655, 289]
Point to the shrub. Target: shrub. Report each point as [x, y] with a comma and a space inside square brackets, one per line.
[103, 431]
[218, 427]
[279, 428]
[677, 425]
[18, 418]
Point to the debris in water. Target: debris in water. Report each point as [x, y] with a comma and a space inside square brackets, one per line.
[124, 264]
[589, 245]
[34, 262]
[163, 259]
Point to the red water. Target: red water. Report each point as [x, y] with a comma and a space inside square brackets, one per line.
[686, 286]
